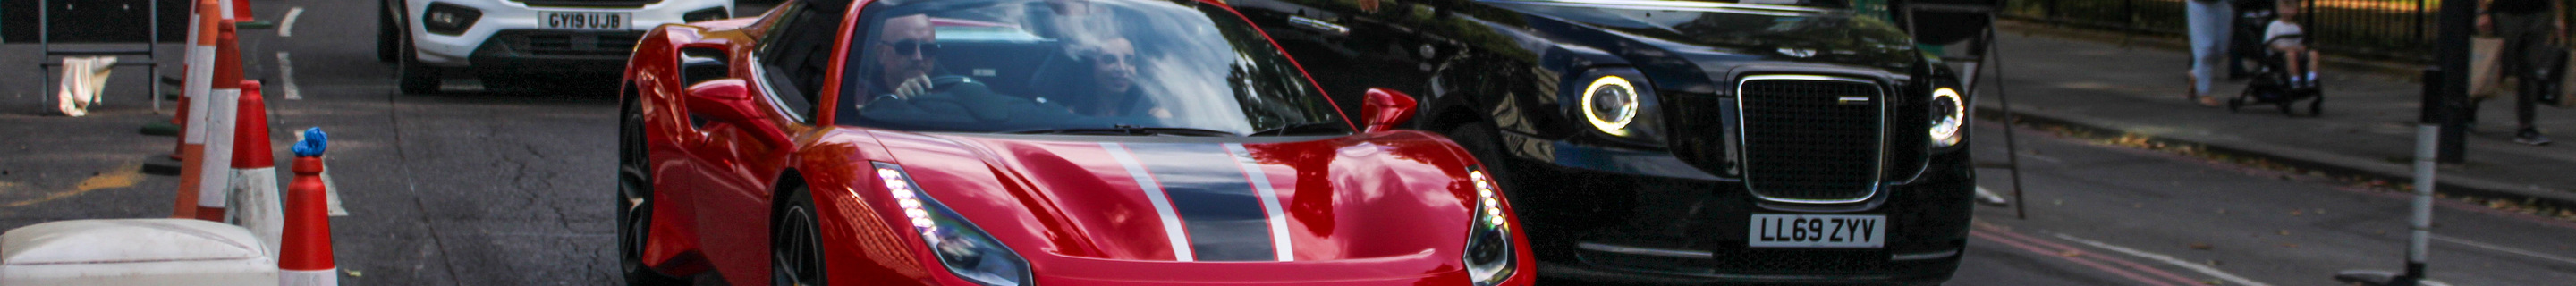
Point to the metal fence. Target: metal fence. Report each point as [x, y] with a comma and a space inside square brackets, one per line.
[2382, 29]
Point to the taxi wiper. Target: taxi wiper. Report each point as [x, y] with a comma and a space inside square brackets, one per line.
[1304, 128]
[1131, 130]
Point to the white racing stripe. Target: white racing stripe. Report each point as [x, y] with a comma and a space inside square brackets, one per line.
[1154, 193]
[1269, 200]
[2231, 279]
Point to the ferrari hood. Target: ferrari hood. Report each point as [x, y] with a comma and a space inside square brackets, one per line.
[1200, 199]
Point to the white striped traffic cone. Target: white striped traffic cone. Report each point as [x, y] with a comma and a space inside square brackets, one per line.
[192, 149]
[255, 203]
[305, 259]
[221, 105]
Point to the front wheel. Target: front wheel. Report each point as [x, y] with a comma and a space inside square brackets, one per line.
[796, 247]
[415, 77]
[387, 31]
[635, 201]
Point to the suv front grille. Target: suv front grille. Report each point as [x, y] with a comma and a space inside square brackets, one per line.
[591, 3]
[1812, 139]
[545, 43]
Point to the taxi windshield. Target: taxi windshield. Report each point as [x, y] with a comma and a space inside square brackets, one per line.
[1073, 67]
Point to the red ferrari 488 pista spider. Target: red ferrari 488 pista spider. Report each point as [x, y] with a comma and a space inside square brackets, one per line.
[1030, 142]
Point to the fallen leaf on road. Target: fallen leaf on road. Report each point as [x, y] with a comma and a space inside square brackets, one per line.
[2201, 246]
[2298, 212]
[2071, 253]
[2285, 232]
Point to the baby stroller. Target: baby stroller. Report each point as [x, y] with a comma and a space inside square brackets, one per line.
[2272, 85]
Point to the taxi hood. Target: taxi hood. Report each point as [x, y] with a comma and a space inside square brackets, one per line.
[1717, 39]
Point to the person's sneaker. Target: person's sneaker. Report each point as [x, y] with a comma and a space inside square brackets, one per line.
[2530, 137]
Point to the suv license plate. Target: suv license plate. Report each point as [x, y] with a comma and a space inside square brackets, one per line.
[566, 20]
[1817, 231]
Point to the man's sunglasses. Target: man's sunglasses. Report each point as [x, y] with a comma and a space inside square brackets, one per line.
[913, 47]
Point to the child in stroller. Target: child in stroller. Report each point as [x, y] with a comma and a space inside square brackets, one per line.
[2288, 73]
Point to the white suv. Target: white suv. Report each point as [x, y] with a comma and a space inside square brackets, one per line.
[514, 43]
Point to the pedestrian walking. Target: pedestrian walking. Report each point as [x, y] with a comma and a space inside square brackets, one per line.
[2211, 22]
[2532, 35]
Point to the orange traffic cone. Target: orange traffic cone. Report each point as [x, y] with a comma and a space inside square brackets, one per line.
[305, 259]
[192, 139]
[222, 104]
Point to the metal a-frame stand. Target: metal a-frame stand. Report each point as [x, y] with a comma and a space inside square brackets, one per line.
[1982, 49]
[151, 56]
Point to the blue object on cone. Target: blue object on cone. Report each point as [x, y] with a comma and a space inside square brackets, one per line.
[313, 144]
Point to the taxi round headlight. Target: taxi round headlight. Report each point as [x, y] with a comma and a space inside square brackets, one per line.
[1610, 103]
[1949, 115]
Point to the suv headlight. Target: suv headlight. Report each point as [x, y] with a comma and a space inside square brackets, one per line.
[1617, 105]
[448, 19]
[1949, 117]
[1489, 241]
[962, 248]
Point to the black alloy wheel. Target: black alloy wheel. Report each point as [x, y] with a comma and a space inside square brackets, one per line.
[795, 242]
[634, 199]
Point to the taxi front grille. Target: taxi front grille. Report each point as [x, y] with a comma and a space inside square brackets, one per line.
[1812, 139]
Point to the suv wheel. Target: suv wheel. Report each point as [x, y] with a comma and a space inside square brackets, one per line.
[387, 31]
[415, 77]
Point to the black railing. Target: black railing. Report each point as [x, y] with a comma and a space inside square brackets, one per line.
[2379, 29]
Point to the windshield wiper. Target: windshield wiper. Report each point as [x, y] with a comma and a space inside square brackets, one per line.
[1304, 128]
[1123, 129]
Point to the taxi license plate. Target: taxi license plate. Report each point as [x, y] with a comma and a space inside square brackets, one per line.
[568, 20]
[1817, 231]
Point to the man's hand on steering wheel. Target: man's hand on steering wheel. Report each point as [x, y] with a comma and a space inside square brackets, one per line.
[913, 87]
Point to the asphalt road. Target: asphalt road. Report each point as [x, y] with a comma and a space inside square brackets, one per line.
[473, 188]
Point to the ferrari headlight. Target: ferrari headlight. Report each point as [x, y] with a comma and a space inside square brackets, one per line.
[1610, 103]
[964, 249]
[1949, 115]
[1489, 242]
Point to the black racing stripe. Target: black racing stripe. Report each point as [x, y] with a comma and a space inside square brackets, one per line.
[1215, 201]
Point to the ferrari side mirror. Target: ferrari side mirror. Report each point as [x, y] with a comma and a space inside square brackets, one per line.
[1385, 109]
[729, 101]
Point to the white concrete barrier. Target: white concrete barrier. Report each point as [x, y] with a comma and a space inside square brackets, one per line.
[134, 252]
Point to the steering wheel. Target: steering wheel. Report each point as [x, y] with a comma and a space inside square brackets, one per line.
[943, 92]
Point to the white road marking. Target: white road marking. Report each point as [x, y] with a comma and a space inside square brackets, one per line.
[2231, 279]
[1989, 197]
[286, 28]
[286, 71]
[2499, 248]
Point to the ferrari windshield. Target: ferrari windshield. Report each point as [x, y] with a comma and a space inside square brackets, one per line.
[1066, 66]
